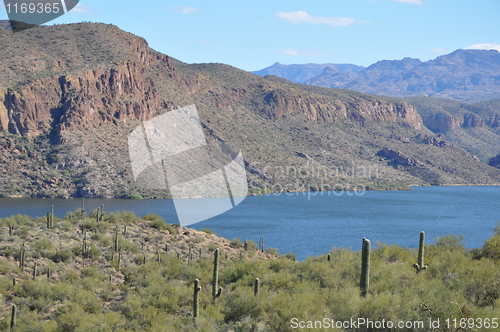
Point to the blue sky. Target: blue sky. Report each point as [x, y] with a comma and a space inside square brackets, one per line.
[254, 34]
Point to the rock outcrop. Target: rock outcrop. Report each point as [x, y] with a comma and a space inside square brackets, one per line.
[495, 161]
[398, 158]
[84, 100]
[444, 122]
[322, 109]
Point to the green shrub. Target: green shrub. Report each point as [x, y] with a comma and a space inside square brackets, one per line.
[62, 255]
[236, 243]
[158, 224]
[491, 248]
[251, 245]
[272, 251]
[208, 231]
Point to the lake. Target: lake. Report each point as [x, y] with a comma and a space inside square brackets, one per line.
[313, 223]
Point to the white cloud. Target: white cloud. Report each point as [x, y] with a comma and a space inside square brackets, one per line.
[81, 9]
[439, 50]
[415, 2]
[304, 17]
[304, 53]
[185, 9]
[484, 47]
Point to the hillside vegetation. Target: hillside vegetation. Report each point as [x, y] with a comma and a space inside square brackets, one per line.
[147, 284]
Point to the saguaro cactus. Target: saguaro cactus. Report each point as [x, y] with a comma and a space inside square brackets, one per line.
[84, 246]
[216, 290]
[116, 240]
[364, 283]
[13, 318]
[35, 267]
[83, 208]
[419, 266]
[22, 256]
[256, 286]
[196, 299]
[52, 216]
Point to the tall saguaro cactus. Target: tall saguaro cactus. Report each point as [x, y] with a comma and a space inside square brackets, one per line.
[83, 208]
[115, 247]
[364, 283]
[22, 256]
[35, 268]
[196, 299]
[13, 318]
[419, 266]
[52, 216]
[256, 286]
[216, 290]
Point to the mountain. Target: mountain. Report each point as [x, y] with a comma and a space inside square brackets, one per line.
[299, 73]
[475, 127]
[70, 95]
[465, 75]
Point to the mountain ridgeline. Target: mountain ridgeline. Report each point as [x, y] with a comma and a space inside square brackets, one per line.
[301, 73]
[71, 94]
[464, 75]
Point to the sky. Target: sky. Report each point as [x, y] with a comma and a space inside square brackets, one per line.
[252, 35]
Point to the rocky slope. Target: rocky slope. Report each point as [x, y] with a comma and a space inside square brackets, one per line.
[70, 98]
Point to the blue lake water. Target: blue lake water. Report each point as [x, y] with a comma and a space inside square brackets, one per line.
[309, 224]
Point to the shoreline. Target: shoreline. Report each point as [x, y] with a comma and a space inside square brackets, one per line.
[408, 188]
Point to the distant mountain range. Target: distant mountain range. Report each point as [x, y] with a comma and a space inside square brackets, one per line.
[464, 75]
[301, 73]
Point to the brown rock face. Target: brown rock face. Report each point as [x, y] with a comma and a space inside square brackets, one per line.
[321, 109]
[83, 100]
[398, 157]
[444, 122]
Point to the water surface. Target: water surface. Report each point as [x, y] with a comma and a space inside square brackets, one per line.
[311, 225]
